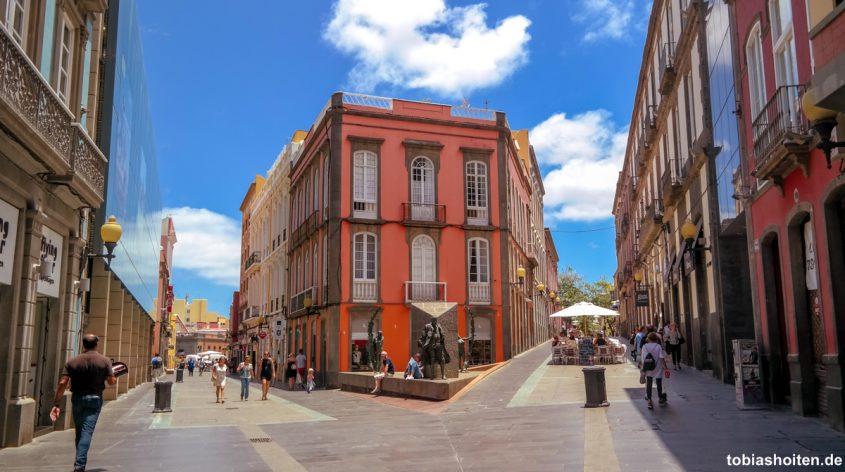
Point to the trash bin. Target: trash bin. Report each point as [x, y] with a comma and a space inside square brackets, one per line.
[595, 387]
[162, 403]
[179, 374]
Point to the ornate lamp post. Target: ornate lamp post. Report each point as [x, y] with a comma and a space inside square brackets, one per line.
[110, 233]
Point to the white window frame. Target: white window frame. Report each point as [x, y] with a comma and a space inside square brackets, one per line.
[364, 184]
[476, 191]
[422, 189]
[364, 279]
[478, 272]
[756, 71]
[362, 257]
[316, 188]
[65, 59]
[14, 7]
[423, 268]
[783, 44]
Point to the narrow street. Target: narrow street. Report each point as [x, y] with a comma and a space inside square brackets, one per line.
[527, 415]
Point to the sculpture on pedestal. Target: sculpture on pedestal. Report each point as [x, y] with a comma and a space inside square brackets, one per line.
[433, 344]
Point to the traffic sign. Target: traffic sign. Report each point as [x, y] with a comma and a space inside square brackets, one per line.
[262, 334]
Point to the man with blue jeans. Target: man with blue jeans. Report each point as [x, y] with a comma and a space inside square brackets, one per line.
[88, 374]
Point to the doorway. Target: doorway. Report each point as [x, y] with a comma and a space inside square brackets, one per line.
[38, 381]
[778, 349]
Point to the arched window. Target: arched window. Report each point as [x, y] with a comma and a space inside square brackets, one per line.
[478, 270]
[422, 189]
[476, 191]
[423, 269]
[364, 265]
[365, 185]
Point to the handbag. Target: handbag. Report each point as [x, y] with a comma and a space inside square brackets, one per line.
[681, 340]
[642, 377]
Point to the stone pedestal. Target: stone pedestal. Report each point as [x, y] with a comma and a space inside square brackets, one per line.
[447, 318]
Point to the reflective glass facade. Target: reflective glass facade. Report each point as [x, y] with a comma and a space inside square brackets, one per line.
[133, 194]
[723, 105]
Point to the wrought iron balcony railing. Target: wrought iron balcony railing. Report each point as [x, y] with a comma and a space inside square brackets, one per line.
[781, 135]
[28, 95]
[479, 292]
[672, 182]
[424, 213]
[667, 68]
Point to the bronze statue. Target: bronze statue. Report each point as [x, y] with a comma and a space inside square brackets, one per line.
[433, 344]
[374, 344]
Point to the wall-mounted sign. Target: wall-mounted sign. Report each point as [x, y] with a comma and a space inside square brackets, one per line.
[8, 236]
[51, 255]
[810, 261]
[642, 298]
[689, 262]
[278, 330]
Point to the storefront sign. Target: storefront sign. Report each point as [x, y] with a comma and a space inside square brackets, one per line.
[51, 255]
[278, 330]
[642, 298]
[689, 262]
[810, 262]
[8, 236]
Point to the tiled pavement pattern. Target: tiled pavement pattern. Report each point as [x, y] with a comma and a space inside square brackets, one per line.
[526, 416]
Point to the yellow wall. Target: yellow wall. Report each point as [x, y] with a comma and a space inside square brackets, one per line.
[198, 311]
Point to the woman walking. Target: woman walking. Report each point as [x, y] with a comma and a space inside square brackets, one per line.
[245, 371]
[290, 371]
[268, 373]
[218, 378]
[653, 365]
[673, 344]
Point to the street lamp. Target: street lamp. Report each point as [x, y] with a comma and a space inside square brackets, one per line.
[638, 276]
[110, 233]
[520, 276]
[541, 287]
[689, 231]
[822, 121]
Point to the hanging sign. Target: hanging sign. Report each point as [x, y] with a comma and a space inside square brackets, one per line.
[642, 298]
[810, 261]
[8, 236]
[278, 330]
[51, 256]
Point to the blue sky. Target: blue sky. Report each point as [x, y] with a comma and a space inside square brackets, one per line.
[230, 82]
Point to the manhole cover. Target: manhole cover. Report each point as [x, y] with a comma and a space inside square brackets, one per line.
[260, 440]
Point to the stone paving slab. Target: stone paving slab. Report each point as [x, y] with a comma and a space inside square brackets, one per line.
[525, 416]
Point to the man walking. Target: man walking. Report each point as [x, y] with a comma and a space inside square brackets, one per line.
[300, 368]
[88, 374]
[157, 364]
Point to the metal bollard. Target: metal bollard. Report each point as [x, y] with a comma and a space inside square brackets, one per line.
[595, 386]
[180, 373]
[162, 403]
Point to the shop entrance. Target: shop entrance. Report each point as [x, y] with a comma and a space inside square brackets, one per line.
[481, 351]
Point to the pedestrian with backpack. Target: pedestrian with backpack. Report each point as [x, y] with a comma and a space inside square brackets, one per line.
[653, 366]
[156, 364]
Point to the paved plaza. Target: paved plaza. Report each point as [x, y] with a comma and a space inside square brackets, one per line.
[526, 416]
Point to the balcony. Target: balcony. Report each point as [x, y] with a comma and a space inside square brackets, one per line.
[477, 216]
[650, 123]
[642, 155]
[252, 260]
[667, 68]
[364, 291]
[479, 293]
[37, 117]
[633, 188]
[782, 140]
[297, 302]
[424, 213]
[651, 223]
[425, 291]
[531, 254]
[672, 183]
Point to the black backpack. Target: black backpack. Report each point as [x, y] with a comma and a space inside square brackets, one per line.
[649, 363]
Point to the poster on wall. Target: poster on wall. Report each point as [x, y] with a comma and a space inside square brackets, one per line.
[749, 385]
[8, 236]
[51, 255]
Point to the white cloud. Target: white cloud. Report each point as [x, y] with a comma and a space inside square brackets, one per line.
[209, 244]
[586, 153]
[606, 18]
[424, 44]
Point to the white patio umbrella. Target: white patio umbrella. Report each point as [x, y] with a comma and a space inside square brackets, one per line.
[583, 309]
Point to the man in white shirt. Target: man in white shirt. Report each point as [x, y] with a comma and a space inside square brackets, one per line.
[300, 367]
